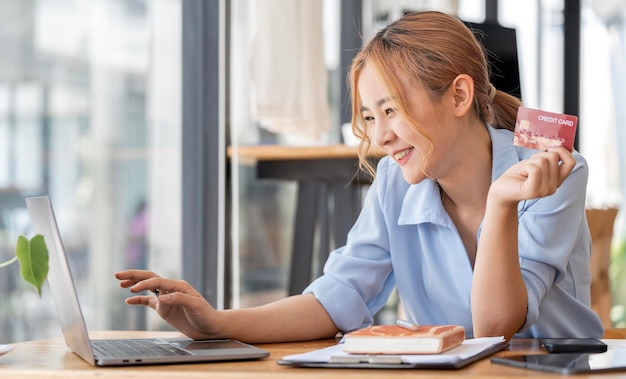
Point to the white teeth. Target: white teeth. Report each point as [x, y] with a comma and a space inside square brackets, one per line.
[402, 154]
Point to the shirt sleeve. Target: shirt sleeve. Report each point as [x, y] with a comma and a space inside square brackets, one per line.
[554, 242]
[358, 279]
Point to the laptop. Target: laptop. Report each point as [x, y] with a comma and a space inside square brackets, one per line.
[117, 352]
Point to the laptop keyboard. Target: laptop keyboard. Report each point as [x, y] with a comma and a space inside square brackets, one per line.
[133, 348]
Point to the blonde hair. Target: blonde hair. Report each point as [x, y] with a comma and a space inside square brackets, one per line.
[429, 49]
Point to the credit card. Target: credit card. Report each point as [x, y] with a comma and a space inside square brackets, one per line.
[540, 130]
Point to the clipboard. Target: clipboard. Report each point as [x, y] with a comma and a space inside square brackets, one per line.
[470, 351]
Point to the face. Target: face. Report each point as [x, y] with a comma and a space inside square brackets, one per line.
[391, 131]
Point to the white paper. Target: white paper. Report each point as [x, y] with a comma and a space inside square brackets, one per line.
[5, 349]
[615, 344]
[467, 349]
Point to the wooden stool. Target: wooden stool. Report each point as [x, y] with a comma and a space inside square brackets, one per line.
[601, 227]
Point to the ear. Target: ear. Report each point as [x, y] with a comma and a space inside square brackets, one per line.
[463, 94]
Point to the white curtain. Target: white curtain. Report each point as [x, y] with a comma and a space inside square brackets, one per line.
[605, 131]
[289, 77]
[617, 30]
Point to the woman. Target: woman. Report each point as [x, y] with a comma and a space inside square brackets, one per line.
[471, 229]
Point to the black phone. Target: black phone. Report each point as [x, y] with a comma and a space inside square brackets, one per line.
[573, 345]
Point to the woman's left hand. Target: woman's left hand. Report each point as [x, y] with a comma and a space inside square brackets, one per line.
[537, 176]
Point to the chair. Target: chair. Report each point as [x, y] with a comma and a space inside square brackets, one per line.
[601, 223]
[501, 45]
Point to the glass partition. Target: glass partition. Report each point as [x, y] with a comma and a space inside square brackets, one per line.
[90, 115]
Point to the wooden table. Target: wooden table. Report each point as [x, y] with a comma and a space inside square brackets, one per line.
[328, 179]
[50, 358]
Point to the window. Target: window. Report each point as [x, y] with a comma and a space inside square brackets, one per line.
[90, 114]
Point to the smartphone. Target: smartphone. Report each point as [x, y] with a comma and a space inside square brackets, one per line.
[572, 345]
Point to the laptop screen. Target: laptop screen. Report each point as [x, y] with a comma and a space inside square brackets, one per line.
[60, 278]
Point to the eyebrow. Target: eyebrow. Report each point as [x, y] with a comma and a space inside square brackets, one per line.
[378, 102]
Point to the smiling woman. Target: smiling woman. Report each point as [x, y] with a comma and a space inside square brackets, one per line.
[458, 219]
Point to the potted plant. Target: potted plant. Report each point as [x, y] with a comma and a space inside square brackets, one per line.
[33, 258]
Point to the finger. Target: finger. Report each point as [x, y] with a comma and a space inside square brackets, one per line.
[567, 162]
[549, 170]
[184, 300]
[129, 278]
[163, 286]
[561, 163]
[135, 274]
[533, 173]
[549, 163]
[147, 301]
[152, 284]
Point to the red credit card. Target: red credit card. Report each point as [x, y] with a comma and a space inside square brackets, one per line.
[541, 130]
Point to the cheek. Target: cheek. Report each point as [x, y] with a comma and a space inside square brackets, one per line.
[421, 144]
[405, 132]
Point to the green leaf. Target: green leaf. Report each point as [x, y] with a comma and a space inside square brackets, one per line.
[33, 257]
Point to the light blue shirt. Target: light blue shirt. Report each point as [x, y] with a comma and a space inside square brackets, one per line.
[404, 238]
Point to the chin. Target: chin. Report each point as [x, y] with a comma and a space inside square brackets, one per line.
[413, 178]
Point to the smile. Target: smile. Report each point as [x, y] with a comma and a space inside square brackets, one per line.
[401, 154]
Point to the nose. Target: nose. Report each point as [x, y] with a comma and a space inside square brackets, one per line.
[383, 133]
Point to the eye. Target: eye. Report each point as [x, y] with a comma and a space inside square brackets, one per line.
[368, 118]
[389, 111]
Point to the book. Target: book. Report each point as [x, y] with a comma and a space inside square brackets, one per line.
[393, 339]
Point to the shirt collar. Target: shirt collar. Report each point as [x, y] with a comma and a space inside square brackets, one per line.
[422, 201]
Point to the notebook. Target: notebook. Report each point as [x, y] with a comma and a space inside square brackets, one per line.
[117, 352]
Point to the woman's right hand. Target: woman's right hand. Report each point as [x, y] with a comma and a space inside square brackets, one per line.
[176, 301]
